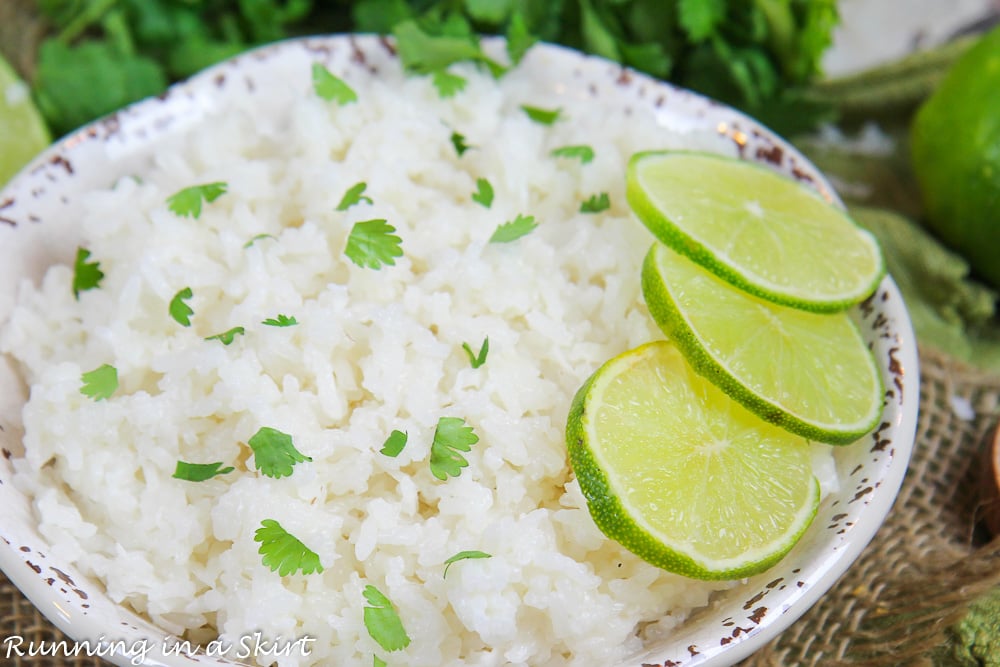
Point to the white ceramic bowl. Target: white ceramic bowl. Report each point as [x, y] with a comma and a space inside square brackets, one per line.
[33, 236]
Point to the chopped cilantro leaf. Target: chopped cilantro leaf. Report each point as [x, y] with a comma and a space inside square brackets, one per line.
[281, 321]
[354, 195]
[519, 37]
[477, 360]
[274, 454]
[383, 622]
[464, 555]
[180, 311]
[451, 437]
[484, 193]
[543, 116]
[100, 383]
[699, 18]
[583, 153]
[378, 662]
[199, 472]
[227, 337]
[259, 237]
[330, 87]
[458, 141]
[86, 275]
[187, 202]
[447, 84]
[513, 230]
[596, 203]
[283, 552]
[373, 244]
[394, 444]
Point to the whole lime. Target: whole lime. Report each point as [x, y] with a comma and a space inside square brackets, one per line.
[955, 140]
[22, 131]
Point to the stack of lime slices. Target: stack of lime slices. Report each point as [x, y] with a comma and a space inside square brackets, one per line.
[694, 452]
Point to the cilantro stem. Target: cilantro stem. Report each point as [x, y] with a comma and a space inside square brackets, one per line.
[91, 13]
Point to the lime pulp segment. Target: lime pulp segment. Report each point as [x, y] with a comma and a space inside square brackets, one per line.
[22, 131]
[759, 230]
[681, 475]
[810, 373]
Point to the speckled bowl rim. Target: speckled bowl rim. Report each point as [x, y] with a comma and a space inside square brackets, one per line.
[737, 622]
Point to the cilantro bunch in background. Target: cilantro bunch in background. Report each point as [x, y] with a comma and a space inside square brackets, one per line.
[757, 55]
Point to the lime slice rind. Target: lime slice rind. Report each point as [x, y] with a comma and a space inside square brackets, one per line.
[758, 230]
[831, 361]
[22, 131]
[603, 474]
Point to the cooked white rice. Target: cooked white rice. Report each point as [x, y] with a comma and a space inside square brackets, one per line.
[374, 350]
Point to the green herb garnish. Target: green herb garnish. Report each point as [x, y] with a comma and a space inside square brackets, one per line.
[259, 237]
[373, 244]
[281, 321]
[283, 552]
[514, 229]
[199, 472]
[464, 555]
[451, 437]
[596, 203]
[187, 202]
[330, 87]
[100, 383]
[86, 275]
[383, 622]
[354, 195]
[543, 116]
[274, 453]
[477, 360]
[227, 337]
[394, 444]
[582, 153]
[484, 193]
[448, 84]
[458, 141]
[179, 310]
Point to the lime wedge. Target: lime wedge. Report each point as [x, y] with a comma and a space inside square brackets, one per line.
[765, 233]
[22, 131]
[810, 373]
[683, 476]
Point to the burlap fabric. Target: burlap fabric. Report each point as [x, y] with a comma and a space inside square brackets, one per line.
[893, 606]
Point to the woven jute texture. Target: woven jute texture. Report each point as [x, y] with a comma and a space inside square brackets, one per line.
[913, 581]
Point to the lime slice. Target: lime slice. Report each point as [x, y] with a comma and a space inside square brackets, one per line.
[22, 131]
[757, 229]
[681, 475]
[810, 373]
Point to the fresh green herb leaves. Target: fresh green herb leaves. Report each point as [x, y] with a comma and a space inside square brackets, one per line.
[383, 622]
[596, 203]
[514, 229]
[330, 87]
[378, 662]
[179, 310]
[394, 444]
[86, 275]
[542, 116]
[582, 153]
[699, 18]
[425, 52]
[274, 453]
[484, 193]
[448, 84]
[100, 383]
[451, 437]
[187, 202]
[477, 360]
[373, 244]
[199, 472]
[281, 321]
[227, 337]
[354, 195]
[458, 141]
[259, 237]
[464, 555]
[283, 552]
